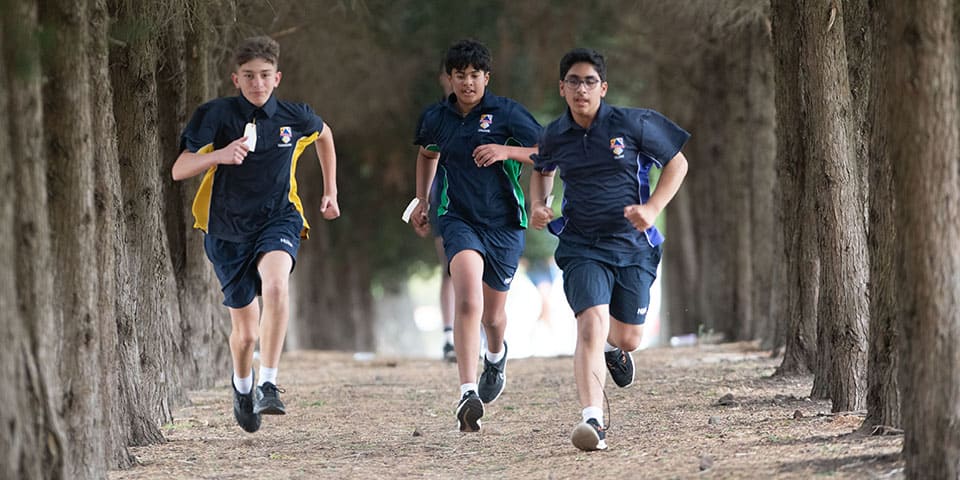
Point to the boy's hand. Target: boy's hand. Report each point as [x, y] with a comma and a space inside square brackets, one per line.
[486, 155]
[234, 153]
[641, 216]
[329, 207]
[419, 220]
[540, 215]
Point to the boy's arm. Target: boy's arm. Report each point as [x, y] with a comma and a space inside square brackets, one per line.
[643, 216]
[327, 154]
[190, 164]
[541, 184]
[426, 169]
[486, 155]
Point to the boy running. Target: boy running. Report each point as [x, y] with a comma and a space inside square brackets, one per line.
[609, 249]
[247, 205]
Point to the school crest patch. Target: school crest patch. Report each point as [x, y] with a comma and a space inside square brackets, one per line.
[616, 146]
[286, 134]
[486, 120]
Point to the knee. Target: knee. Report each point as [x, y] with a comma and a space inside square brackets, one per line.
[244, 337]
[628, 339]
[469, 306]
[274, 291]
[591, 328]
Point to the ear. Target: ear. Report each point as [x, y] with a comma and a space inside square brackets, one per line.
[563, 92]
[279, 76]
[236, 80]
[603, 89]
[486, 78]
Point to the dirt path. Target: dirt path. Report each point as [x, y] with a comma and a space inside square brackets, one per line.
[393, 418]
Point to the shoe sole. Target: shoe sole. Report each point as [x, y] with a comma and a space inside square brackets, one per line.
[270, 410]
[468, 415]
[585, 438]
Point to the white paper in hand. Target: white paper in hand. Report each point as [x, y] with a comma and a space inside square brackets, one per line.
[250, 131]
[549, 201]
[409, 210]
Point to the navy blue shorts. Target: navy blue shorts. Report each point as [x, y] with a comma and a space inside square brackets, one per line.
[499, 247]
[236, 262]
[589, 280]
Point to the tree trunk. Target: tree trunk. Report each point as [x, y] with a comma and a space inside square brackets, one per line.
[110, 244]
[883, 387]
[924, 147]
[67, 111]
[802, 265]
[834, 132]
[33, 441]
[147, 323]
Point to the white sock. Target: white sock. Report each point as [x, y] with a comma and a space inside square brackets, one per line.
[593, 412]
[448, 335]
[608, 348]
[267, 375]
[495, 357]
[244, 384]
[466, 387]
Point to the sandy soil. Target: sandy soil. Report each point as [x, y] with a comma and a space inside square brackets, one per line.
[393, 418]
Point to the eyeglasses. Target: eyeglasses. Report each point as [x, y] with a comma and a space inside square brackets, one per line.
[574, 82]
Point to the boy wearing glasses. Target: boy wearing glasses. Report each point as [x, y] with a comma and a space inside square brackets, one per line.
[247, 206]
[609, 249]
[464, 141]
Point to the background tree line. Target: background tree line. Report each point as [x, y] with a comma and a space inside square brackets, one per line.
[819, 216]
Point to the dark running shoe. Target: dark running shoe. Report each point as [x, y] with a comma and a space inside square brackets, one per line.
[243, 410]
[620, 365]
[493, 378]
[589, 436]
[268, 400]
[469, 412]
[449, 354]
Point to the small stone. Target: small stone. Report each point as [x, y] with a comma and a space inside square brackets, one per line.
[416, 432]
[727, 400]
[713, 420]
[706, 461]
[797, 414]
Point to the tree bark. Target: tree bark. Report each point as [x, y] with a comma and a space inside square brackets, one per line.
[67, 111]
[802, 265]
[883, 364]
[147, 323]
[843, 306]
[924, 147]
[33, 440]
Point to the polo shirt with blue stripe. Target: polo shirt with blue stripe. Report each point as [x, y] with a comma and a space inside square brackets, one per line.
[483, 196]
[235, 202]
[604, 168]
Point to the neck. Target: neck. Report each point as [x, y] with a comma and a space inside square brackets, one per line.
[584, 120]
[465, 108]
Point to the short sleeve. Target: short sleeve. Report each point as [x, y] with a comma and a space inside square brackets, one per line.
[542, 160]
[422, 136]
[200, 131]
[311, 122]
[660, 137]
[523, 127]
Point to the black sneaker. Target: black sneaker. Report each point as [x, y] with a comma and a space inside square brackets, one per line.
[620, 365]
[469, 412]
[268, 400]
[449, 354]
[243, 410]
[493, 378]
[589, 436]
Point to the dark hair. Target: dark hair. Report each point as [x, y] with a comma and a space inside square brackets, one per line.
[583, 55]
[468, 53]
[257, 47]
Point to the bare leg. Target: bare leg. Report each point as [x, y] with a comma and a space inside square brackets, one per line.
[494, 318]
[625, 336]
[446, 286]
[243, 337]
[274, 270]
[589, 367]
[466, 271]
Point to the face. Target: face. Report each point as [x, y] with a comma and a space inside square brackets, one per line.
[583, 89]
[256, 80]
[469, 85]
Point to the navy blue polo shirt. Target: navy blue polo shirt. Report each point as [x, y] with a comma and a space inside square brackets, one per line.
[483, 196]
[235, 202]
[605, 168]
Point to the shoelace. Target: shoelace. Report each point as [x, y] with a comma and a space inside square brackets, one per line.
[496, 373]
[273, 389]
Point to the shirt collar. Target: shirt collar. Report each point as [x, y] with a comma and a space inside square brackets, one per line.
[485, 103]
[249, 110]
[567, 122]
